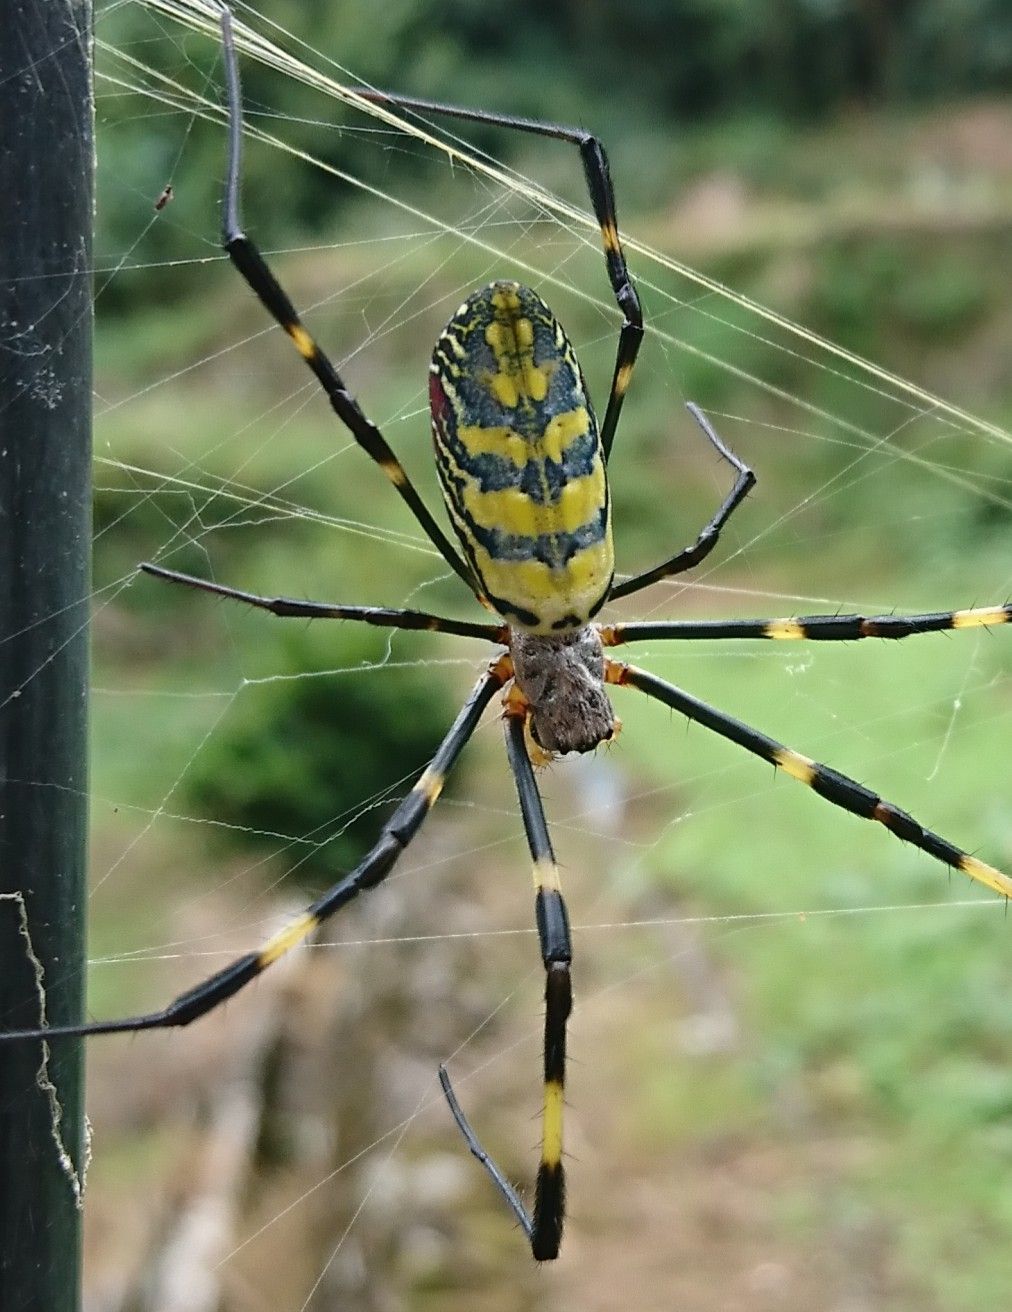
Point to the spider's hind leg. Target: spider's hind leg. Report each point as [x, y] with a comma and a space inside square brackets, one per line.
[543, 1226]
[830, 784]
[816, 628]
[374, 867]
[557, 956]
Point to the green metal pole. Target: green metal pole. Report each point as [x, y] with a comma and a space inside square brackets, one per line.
[46, 167]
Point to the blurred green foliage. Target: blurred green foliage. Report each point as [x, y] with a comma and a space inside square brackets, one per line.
[643, 71]
[292, 748]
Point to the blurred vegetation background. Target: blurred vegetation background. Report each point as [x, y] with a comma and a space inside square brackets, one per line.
[647, 79]
[804, 1112]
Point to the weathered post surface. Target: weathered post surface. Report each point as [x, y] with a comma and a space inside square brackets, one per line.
[46, 168]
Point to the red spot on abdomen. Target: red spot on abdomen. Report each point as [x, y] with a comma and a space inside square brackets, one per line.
[438, 403]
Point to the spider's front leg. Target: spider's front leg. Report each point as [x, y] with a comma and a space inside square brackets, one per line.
[249, 262]
[543, 1227]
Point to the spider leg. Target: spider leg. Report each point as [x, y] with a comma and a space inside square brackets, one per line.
[602, 197]
[835, 787]
[395, 836]
[557, 956]
[707, 539]
[498, 1179]
[251, 264]
[382, 616]
[818, 628]
[544, 1227]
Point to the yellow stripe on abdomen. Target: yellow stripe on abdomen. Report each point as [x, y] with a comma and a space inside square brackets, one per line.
[551, 596]
[520, 460]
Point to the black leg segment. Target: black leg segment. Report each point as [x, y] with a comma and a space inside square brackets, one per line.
[602, 198]
[251, 264]
[815, 628]
[381, 616]
[544, 1227]
[395, 836]
[708, 538]
[835, 787]
[557, 956]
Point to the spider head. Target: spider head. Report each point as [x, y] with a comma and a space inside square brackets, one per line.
[563, 680]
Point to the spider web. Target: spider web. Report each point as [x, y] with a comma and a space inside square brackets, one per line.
[697, 917]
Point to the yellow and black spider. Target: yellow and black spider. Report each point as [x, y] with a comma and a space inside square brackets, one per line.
[523, 468]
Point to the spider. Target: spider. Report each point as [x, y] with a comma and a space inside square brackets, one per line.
[523, 467]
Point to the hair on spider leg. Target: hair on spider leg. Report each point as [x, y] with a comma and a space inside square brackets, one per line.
[509, 1194]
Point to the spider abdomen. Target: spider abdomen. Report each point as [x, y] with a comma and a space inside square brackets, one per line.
[520, 460]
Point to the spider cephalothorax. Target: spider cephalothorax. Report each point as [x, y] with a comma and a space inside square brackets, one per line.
[523, 468]
[562, 679]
